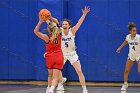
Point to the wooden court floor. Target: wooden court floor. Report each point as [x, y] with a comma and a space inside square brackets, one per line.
[69, 89]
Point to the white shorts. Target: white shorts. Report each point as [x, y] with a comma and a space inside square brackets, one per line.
[71, 56]
[134, 57]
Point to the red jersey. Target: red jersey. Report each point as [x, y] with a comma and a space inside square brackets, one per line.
[55, 45]
[54, 56]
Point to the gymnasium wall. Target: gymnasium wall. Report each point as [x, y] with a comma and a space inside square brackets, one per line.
[17, 41]
[103, 30]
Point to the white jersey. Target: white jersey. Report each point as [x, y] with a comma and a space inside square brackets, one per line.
[68, 42]
[134, 44]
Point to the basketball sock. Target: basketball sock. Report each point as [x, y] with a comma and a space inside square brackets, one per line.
[51, 89]
[84, 87]
[125, 82]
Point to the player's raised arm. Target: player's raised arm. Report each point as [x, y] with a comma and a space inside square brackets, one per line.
[55, 20]
[76, 27]
[39, 34]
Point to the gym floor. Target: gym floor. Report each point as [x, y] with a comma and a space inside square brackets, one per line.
[69, 89]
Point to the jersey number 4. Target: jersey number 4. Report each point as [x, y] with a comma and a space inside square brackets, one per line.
[133, 48]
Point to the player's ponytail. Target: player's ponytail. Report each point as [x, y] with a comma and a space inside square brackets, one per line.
[54, 30]
[131, 25]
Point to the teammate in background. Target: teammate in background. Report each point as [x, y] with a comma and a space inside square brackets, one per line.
[133, 39]
[68, 48]
[54, 56]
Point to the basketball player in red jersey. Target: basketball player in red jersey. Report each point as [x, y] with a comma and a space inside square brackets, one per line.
[54, 56]
[68, 48]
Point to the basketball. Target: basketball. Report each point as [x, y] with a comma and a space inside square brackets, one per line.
[44, 14]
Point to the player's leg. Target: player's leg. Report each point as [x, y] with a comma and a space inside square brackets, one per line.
[77, 67]
[50, 73]
[60, 77]
[56, 73]
[74, 60]
[58, 67]
[62, 80]
[128, 67]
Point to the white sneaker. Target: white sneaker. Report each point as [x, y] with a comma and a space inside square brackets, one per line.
[124, 87]
[60, 87]
[59, 91]
[47, 90]
[85, 91]
[64, 80]
[51, 92]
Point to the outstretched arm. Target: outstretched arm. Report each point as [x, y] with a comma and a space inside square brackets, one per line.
[122, 45]
[76, 27]
[39, 34]
[52, 19]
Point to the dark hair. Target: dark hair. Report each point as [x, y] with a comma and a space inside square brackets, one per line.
[131, 25]
[69, 21]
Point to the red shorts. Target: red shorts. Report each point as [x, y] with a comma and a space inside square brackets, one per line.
[55, 60]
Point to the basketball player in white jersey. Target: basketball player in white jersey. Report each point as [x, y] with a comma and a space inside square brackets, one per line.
[68, 47]
[133, 39]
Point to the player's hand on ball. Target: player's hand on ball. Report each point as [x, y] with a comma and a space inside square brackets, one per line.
[40, 20]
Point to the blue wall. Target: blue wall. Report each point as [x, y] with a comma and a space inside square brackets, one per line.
[17, 41]
[103, 30]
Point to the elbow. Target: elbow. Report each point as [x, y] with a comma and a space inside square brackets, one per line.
[35, 32]
[57, 22]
